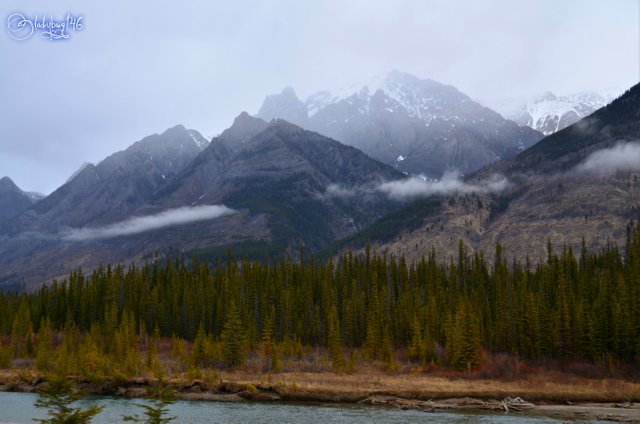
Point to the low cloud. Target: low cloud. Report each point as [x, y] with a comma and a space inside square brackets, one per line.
[622, 157]
[417, 186]
[449, 184]
[141, 224]
[334, 190]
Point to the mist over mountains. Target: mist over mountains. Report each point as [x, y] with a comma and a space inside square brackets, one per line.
[577, 187]
[417, 126]
[259, 185]
[405, 163]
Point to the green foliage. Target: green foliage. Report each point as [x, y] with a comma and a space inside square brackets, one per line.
[233, 337]
[5, 356]
[157, 412]
[465, 341]
[248, 249]
[568, 307]
[58, 399]
[334, 340]
[44, 350]
[199, 349]
[22, 332]
[389, 226]
[420, 346]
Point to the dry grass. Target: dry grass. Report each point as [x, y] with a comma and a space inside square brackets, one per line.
[593, 398]
[311, 377]
[550, 388]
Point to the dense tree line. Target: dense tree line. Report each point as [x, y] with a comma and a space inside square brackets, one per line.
[584, 305]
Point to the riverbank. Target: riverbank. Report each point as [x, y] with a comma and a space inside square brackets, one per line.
[581, 398]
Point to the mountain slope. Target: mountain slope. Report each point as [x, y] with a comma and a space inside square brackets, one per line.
[115, 187]
[283, 173]
[553, 195]
[417, 126]
[13, 201]
[275, 176]
[285, 105]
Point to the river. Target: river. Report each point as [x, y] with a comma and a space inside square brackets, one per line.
[18, 408]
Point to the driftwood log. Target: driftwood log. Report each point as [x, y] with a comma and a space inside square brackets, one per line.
[516, 404]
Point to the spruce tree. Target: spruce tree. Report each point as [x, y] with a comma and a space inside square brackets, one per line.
[157, 412]
[466, 347]
[58, 398]
[334, 339]
[233, 337]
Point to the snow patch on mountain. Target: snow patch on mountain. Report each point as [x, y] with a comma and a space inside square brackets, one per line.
[406, 92]
[548, 112]
[200, 141]
[434, 127]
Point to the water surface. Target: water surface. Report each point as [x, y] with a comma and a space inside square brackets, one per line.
[18, 408]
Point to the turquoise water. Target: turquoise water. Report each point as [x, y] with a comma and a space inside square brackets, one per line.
[18, 408]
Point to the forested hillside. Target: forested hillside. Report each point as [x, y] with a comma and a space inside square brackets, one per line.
[373, 308]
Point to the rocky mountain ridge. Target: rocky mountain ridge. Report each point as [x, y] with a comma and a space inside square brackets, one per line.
[14, 201]
[417, 126]
[260, 187]
[579, 185]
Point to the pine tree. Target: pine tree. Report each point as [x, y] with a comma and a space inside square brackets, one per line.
[233, 337]
[466, 348]
[157, 412]
[58, 398]
[199, 349]
[267, 334]
[44, 351]
[21, 331]
[334, 339]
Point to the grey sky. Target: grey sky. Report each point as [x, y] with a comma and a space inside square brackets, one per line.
[140, 67]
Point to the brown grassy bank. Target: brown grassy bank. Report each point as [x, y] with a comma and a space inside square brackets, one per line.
[553, 394]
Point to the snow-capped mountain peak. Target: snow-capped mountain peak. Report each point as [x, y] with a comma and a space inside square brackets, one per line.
[549, 113]
[423, 99]
[432, 127]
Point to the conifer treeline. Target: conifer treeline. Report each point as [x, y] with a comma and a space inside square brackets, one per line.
[585, 305]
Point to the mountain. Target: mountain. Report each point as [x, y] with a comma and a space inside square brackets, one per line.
[581, 184]
[285, 105]
[114, 188]
[549, 113]
[280, 172]
[417, 126]
[33, 247]
[13, 201]
[78, 171]
[277, 183]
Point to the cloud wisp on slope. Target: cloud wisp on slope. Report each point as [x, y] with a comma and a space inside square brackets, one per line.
[619, 158]
[417, 186]
[140, 224]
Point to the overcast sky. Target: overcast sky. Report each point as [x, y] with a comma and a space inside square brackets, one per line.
[139, 67]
